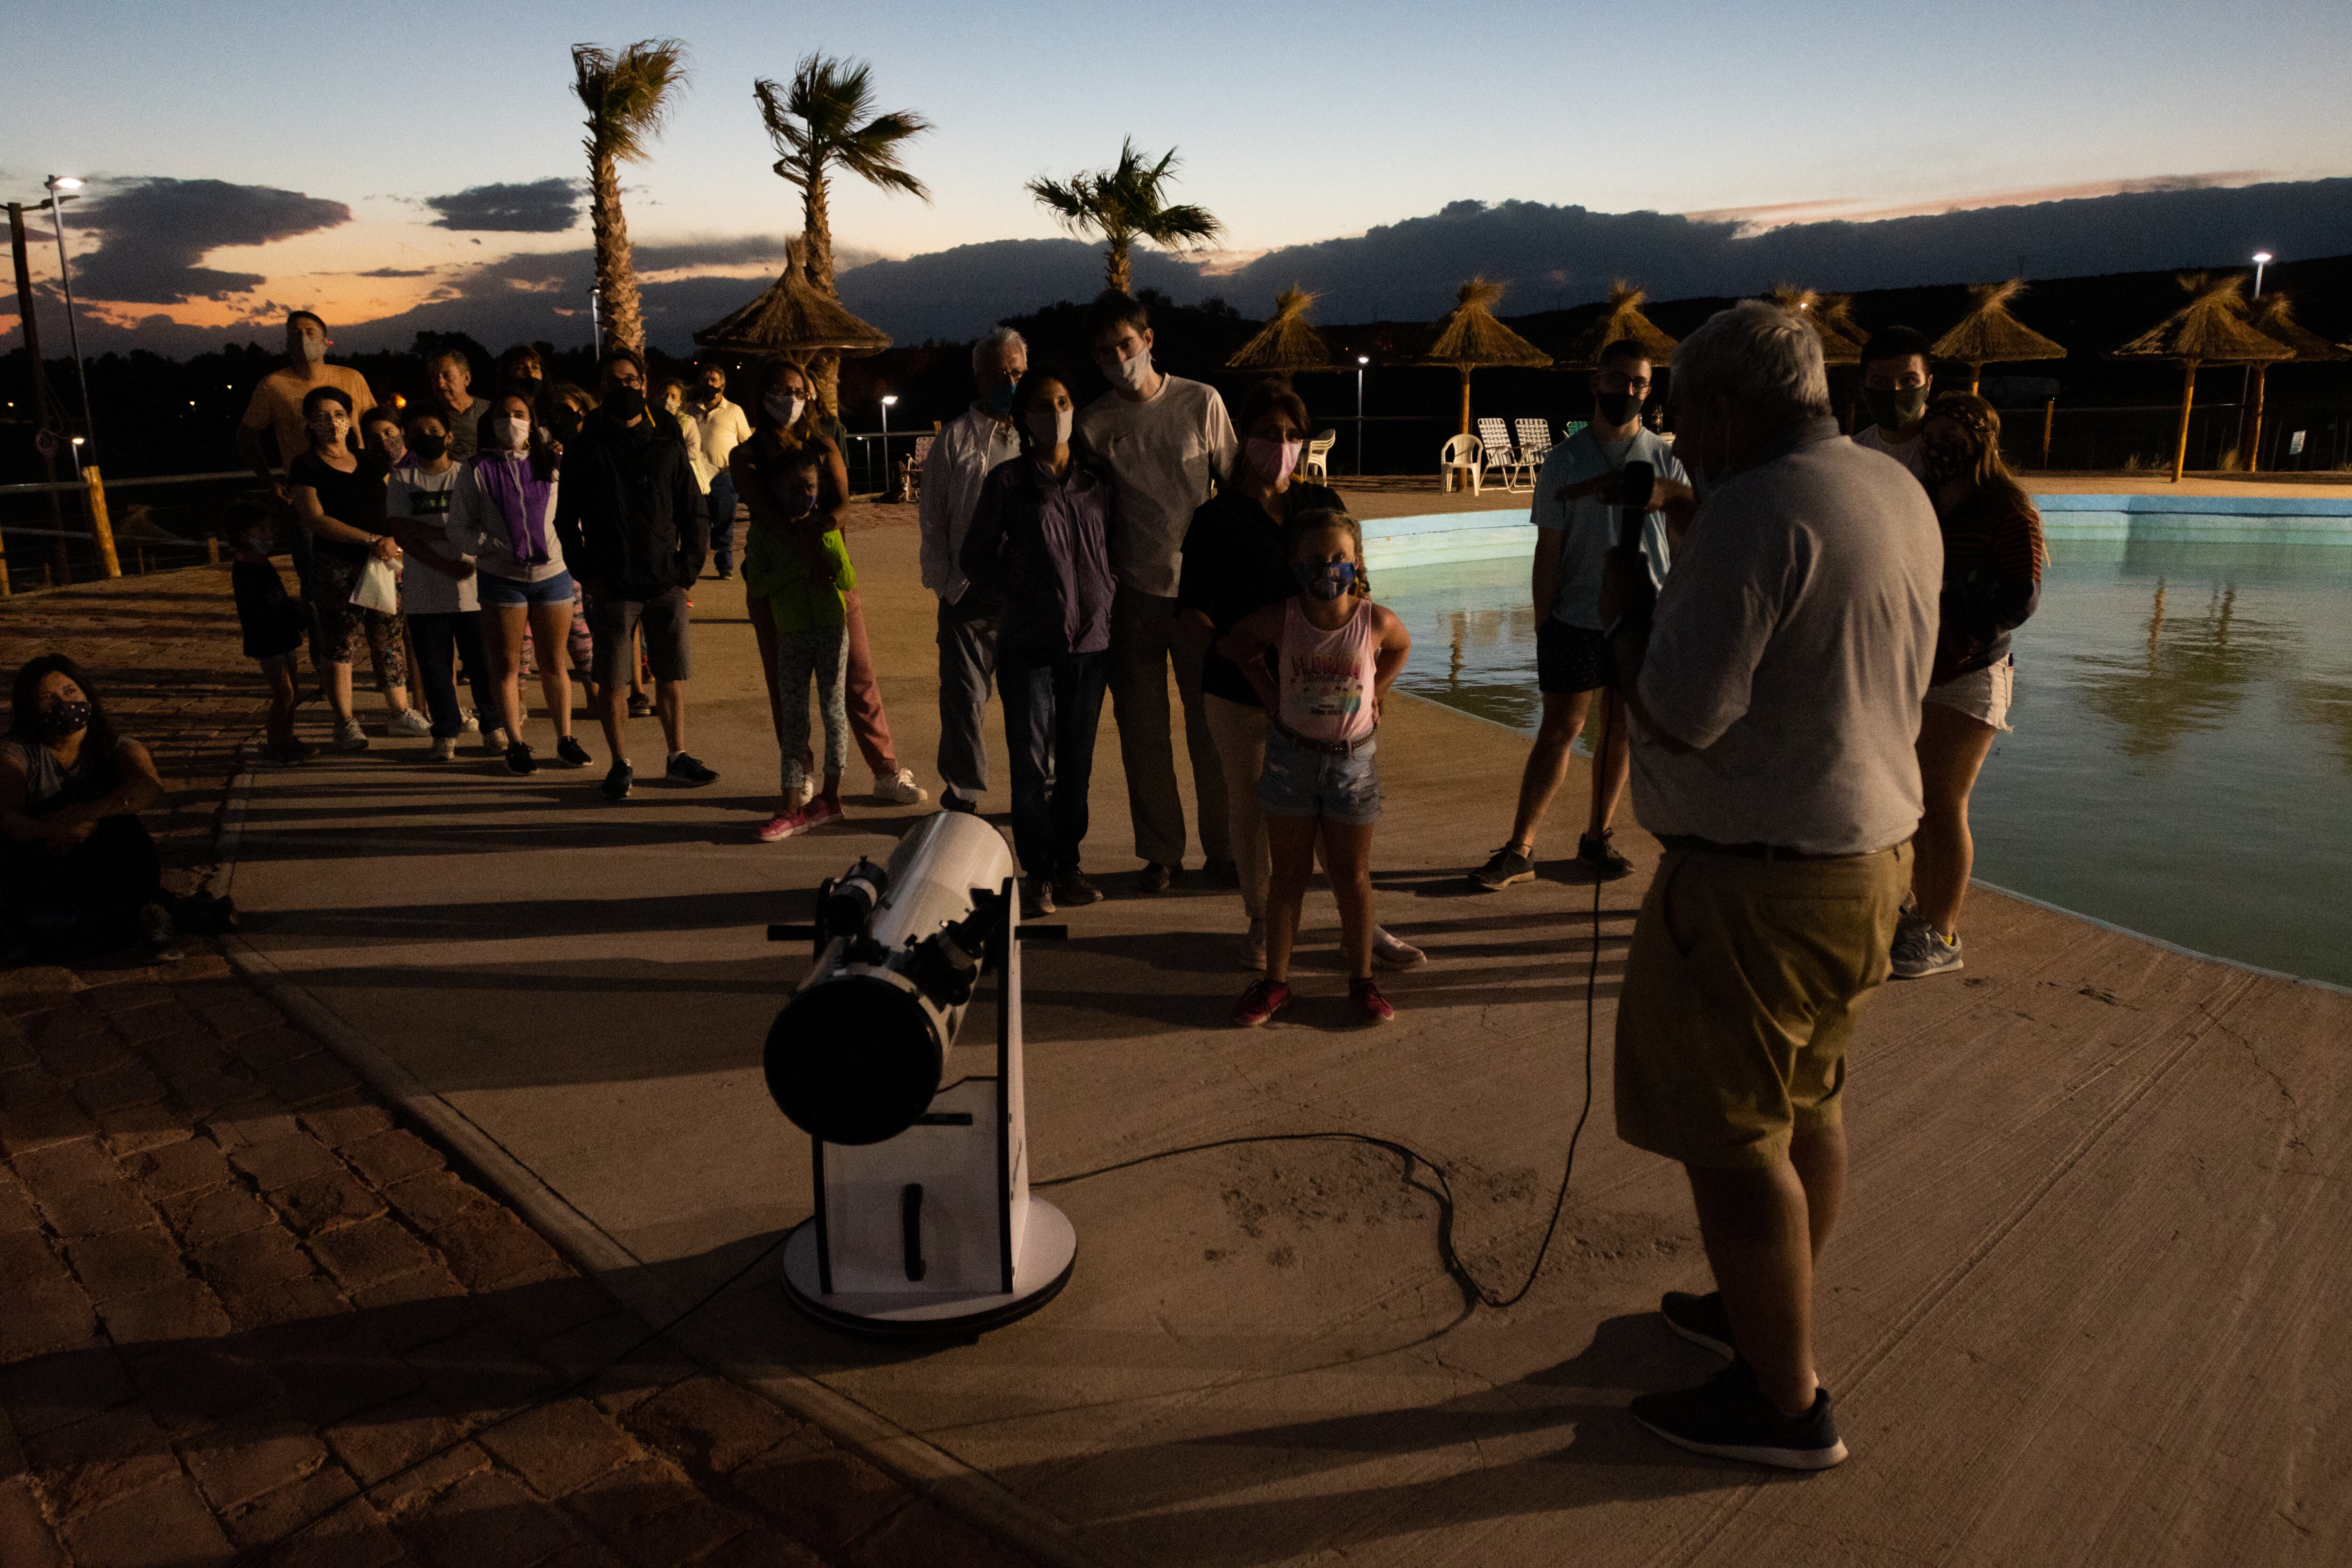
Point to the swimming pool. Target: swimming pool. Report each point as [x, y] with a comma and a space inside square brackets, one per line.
[2181, 763]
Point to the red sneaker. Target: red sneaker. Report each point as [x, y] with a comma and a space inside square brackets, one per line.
[1260, 1002]
[1372, 1007]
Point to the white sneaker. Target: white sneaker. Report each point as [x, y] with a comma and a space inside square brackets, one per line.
[494, 740]
[1392, 951]
[349, 736]
[1253, 946]
[470, 721]
[899, 789]
[408, 722]
[444, 748]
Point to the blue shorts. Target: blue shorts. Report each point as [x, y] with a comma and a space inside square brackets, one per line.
[1299, 781]
[500, 591]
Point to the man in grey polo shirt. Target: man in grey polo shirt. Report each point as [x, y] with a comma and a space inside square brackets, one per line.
[1775, 690]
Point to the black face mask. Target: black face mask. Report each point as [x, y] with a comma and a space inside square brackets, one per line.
[626, 403]
[1616, 407]
[64, 720]
[1892, 409]
[428, 448]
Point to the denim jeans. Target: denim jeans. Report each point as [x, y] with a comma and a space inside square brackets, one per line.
[722, 520]
[434, 638]
[1053, 704]
[967, 666]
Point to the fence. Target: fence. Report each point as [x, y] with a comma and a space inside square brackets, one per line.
[120, 530]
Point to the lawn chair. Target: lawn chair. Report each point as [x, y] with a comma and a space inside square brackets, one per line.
[1465, 455]
[1316, 464]
[1535, 445]
[914, 467]
[1494, 438]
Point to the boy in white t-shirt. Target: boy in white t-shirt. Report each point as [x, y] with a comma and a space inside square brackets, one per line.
[1896, 382]
[437, 592]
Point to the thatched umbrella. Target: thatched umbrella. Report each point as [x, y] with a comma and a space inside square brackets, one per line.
[1625, 319]
[1470, 336]
[2207, 329]
[2274, 316]
[795, 319]
[1286, 342]
[1837, 347]
[1988, 334]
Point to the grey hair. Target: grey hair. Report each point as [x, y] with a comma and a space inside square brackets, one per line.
[1761, 356]
[997, 342]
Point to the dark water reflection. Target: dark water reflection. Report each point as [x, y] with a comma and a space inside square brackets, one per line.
[2182, 762]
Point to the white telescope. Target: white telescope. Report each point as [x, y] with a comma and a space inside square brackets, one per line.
[924, 1225]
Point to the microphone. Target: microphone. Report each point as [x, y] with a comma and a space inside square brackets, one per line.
[1637, 479]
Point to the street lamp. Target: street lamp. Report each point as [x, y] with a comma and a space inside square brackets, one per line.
[1361, 360]
[888, 402]
[58, 185]
[2261, 259]
[75, 447]
[595, 319]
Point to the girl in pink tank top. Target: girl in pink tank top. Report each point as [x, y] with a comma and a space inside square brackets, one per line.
[1334, 656]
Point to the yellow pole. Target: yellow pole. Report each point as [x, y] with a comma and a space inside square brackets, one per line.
[102, 529]
[1465, 400]
[2188, 397]
[2049, 417]
[2254, 446]
[1976, 374]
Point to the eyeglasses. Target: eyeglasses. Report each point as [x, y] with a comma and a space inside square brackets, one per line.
[1618, 381]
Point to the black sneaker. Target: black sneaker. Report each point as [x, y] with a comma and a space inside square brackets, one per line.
[1507, 866]
[1603, 857]
[640, 705]
[1727, 1417]
[950, 801]
[1155, 877]
[1225, 873]
[683, 769]
[619, 780]
[1037, 898]
[1700, 1320]
[519, 760]
[570, 752]
[1073, 889]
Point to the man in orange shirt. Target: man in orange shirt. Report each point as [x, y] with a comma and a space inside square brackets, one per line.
[277, 407]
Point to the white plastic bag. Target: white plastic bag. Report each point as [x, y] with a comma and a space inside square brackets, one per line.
[377, 588]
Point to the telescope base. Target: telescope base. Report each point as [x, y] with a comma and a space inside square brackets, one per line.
[1049, 1251]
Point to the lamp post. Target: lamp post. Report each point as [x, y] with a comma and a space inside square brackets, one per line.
[2261, 259]
[889, 401]
[1361, 360]
[58, 185]
[595, 321]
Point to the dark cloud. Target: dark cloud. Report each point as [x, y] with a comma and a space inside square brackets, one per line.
[535, 206]
[398, 272]
[962, 292]
[152, 233]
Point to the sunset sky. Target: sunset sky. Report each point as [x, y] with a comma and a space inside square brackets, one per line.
[1294, 126]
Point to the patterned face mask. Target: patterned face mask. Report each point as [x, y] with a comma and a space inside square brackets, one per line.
[1325, 580]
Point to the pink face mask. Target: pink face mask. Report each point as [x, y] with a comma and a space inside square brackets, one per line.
[1269, 461]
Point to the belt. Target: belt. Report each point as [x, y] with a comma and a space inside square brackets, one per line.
[1689, 844]
[1329, 748]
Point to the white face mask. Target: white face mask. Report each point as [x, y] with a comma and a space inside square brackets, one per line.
[1127, 374]
[783, 407]
[1049, 427]
[513, 433]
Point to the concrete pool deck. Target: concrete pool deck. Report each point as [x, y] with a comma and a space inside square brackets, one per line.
[2089, 1303]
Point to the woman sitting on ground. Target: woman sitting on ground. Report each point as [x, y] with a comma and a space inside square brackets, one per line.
[1040, 541]
[77, 868]
[1992, 583]
[1334, 656]
[339, 497]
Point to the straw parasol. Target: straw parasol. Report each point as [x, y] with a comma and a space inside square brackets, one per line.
[1988, 334]
[1837, 347]
[1470, 336]
[2209, 329]
[795, 319]
[1624, 320]
[2273, 315]
[1286, 342]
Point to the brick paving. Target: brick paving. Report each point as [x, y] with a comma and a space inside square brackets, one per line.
[247, 1315]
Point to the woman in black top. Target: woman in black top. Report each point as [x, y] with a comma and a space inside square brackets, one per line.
[1233, 562]
[338, 495]
[78, 870]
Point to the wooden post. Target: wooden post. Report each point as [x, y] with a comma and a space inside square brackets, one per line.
[212, 549]
[1976, 374]
[1465, 400]
[2254, 445]
[2188, 397]
[2049, 417]
[101, 528]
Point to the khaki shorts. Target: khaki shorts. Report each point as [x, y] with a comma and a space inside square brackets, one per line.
[1982, 694]
[1739, 995]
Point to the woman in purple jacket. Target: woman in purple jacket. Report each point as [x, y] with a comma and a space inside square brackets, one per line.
[1040, 540]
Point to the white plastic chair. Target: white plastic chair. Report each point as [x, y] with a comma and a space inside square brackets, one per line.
[1465, 455]
[1315, 465]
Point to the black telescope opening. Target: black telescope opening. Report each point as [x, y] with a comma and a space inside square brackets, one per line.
[853, 1060]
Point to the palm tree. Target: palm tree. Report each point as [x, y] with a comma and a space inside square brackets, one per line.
[1123, 203]
[627, 97]
[826, 118]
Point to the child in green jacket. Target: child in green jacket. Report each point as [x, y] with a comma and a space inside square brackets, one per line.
[802, 578]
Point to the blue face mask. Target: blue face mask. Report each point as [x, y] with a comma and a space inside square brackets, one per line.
[1000, 399]
[1325, 580]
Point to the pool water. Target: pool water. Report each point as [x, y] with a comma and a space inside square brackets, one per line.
[2181, 761]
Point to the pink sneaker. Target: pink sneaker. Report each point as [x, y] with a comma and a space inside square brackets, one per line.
[1262, 1001]
[1372, 1007]
[783, 826]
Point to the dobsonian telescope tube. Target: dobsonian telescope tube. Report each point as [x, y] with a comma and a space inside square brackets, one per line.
[858, 1053]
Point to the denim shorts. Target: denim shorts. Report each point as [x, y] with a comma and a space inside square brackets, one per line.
[1299, 781]
[500, 592]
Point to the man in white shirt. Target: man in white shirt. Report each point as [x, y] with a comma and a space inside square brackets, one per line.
[1166, 440]
[1896, 384]
[722, 426]
[966, 447]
